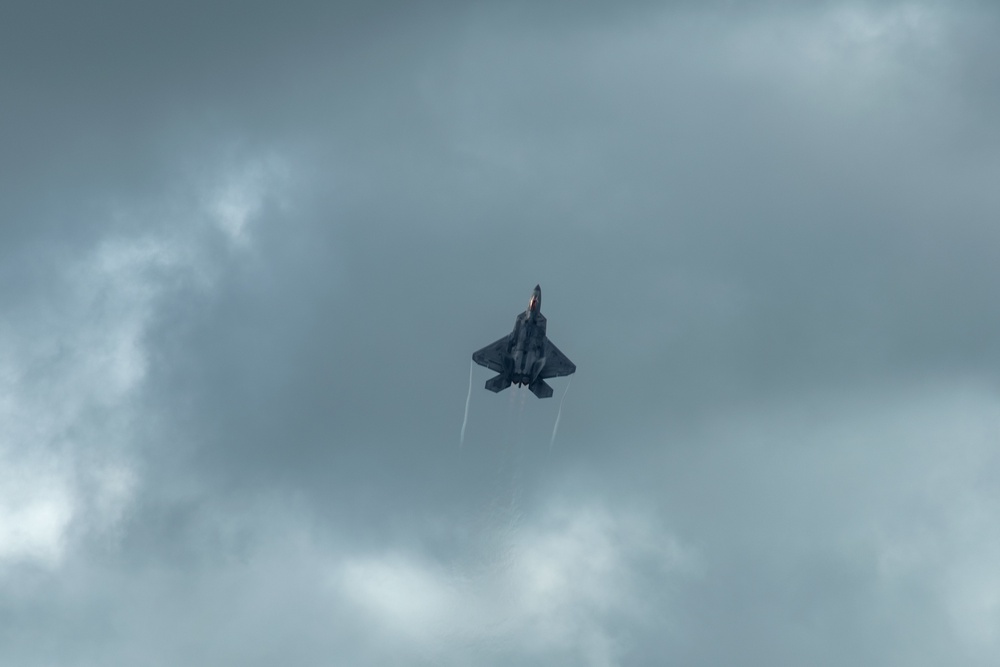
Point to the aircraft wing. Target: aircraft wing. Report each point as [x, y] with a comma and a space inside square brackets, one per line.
[492, 355]
[556, 363]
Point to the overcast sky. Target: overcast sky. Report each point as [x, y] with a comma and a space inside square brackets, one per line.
[247, 250]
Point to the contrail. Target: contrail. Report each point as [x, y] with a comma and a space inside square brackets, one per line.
[559, 415]
[465, 420]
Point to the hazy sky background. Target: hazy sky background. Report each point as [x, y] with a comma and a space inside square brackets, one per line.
[247, 250]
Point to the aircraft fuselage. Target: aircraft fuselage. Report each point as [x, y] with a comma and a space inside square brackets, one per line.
[525, 356]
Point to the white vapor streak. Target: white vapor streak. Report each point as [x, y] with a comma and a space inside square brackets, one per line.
[465, 420]
[559, 414]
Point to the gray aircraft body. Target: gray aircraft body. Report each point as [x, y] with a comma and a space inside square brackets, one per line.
[525, 356]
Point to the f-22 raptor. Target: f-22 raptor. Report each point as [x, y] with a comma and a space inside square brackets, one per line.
[525, 356]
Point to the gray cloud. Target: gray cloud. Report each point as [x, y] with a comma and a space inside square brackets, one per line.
[247, 253]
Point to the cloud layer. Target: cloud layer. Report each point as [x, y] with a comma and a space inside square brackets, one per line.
[246, 254]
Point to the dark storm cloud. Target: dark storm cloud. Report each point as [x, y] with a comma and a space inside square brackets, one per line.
[252, 247]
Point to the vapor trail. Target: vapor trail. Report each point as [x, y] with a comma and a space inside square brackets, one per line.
[465, 419]
[559, 414]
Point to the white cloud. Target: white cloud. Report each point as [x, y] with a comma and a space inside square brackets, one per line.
[70, 372]
[562, 579]
[406, 598]
[241, 194]
[895, 483]
[72, 363]
[35, 510]
[848, 58]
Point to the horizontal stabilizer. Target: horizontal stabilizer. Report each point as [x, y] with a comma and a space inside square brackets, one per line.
[540, 389]
[499, 383]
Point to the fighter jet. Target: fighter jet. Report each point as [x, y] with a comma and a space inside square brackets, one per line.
[525, 356]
